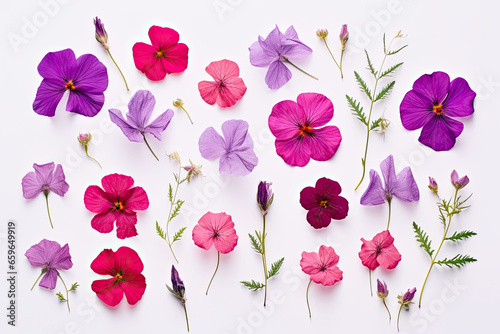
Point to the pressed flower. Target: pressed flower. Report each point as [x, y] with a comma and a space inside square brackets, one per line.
[102, 37]
[295, 126]
[192, 170]
[166, 55]
[118, 202]
[433, 104]
[382, 293]
[405, 300]
[45, 179]
[458, 182]
[215, 229]
[180, 104]
[136, 125]
[265, 196]
[178, 290]
[321, 267]
[125, 267]
[227, 87]
[86, 79]
[275, 51]
[323, 203]
[344, 36]
[51, 257]
[235, 150]
[84, 139]
[433, 186]
[402, 186]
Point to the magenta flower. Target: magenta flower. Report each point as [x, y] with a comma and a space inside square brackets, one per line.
[215, 229]
[86, 79]
[432, 104]
[118, 202]
[405, 300]
[402, 186]
[235, 150]
[382, 293]
[136, 125]
[295, 126]
[380, 251]
[44, 180]
[459, 182]
[321, 267]
[324, 203]
[276, 50]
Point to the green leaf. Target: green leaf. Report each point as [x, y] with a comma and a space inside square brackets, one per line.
[461, 235]
[390, 53]
[356, 109]
[362, 85]
[256, 244]
[370, 65]
[160, 231]
[176, 210]
[458, 261]
[170, 289]
[254, 286]
[61, 297]
[170, 193]
[390, 70]
[375, 124]
[385, 91]
[423, 239]
[275, 267]
[178, 234]
[74, 286]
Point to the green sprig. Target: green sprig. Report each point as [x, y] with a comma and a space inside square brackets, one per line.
[275, 267]
[423, 239]
[458, 261]
[253, 285]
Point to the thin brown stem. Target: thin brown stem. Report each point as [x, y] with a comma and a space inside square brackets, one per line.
[67, 292]
[187, 114]
[43, 272]
[215, 272]
[289, 62]
[307, 298]
[48, 211]
[186, 314]
[86, 152]
[399, 313]
[370, 278]
[143, 136]
[264, 262]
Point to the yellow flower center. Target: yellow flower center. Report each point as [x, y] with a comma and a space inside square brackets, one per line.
[323, 204]
[118, 206]
[304, 130]
[438, 109]
[69, 85]
[118, 276]
[159, 54]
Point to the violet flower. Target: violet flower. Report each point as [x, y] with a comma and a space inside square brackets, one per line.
[405, 301]
[457, 182]
[277, 50]
[235, 150]
[140, 109]
[265, 196]
[382, 293]
[433, 186]
[178, 290]
[402, 186]
[86, 79]
[44, 180]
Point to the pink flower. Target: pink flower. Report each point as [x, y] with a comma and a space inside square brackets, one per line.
[227, 88]
[165, 56]
[322, 266]
[117, 202]
[295, 126]
[380, 251]
[215, 229]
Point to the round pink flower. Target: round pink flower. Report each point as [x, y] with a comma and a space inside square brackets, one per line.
[322, 266]
[215, 229]
[380, 251]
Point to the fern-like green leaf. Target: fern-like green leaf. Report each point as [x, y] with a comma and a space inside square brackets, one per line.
[390, 70]
[390, 53]
[423, 239]
[74, 286]
[160, 231]
[176, 210]
[385, 91]
[362, 85]
[254, 286]
[375, 124]
[170, 193]
[61, 297]
[256, 244]
[178, 234]
[370, 65]
[356, 109]
[275, 268]
[458, 261]
[461, 235]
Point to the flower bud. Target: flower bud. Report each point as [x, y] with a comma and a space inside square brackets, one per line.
[457, 182]
[265, 196]
[192, 170]
[433, 185]
[178, 103]
[84, 138]
[100, 33]
[344, 36]
[177, 284]
[407, 297]
[322, 33]
[382, 291]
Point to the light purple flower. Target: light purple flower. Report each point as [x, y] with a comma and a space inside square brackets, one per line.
[433, 186]
[274, 51]
[457, 182]
[433, 104]
[86, 79]
[382, 291]
[44, 179]
[51, 257]
[235, 150]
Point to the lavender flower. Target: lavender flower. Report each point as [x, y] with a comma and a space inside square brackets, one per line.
[100, 33]
[457, 182]
[382, 293]
[433, 186]
[344, 36]
[265, 196]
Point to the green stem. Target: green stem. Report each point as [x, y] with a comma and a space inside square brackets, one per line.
[86, 152]
[370, 278]
[43, 272]
[389, 219]
[67, 292]
[118, 68]
[289, 62]
[383, 301]
[307, 298]
[437, 252]
[46, 193]
[170, 213]
[187, 114]
[264, 262]
[331, 54]
[340, 67]
[400, 308]
[143, 136]
[186, 314]
[217, 267]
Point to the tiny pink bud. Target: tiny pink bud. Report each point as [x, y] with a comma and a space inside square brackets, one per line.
[344, 36]
[433, 185]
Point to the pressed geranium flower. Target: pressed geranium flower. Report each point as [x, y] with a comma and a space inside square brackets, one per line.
[215, 229]
[178, 290]
[227, 88]
[118, 202]
[405, 300]
[324, 203]
[433, 104]
[165, 56]
[277, 50]
[321, 267]
[402, 186]
[51, 257]
[86, 79]
[235, 150]
[45, 179]
[136, 125]
[295, 126]
[125, 267]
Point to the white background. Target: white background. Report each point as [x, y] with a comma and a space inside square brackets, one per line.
[450, 36]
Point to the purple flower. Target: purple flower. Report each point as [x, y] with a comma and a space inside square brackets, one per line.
[382, 291]
[433, 185]
[276, 50]
[177, 284]
[100, 33]
[136, 125]
[457, 182]
[264, 196]
[85, 78]
[344, 36]
[50, 256]
[235, 150]
[407, 297]
[432, 103]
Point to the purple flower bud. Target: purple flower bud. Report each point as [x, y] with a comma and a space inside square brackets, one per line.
[84, 138]
[264, 196]
[100, 33]
[344, 36]
[322, 33]
[433, 185]
[457, 182]
[382, 291]
[408, 296]
[177, 284]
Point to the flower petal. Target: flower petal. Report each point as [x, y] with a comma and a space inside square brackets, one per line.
[49, 280]
[222, 70]
[145, 59]
[108, 290]
[140, 108]
[134, 288]
[128, 262]
[415, 110]
[105, 263]
[233, 91]
[310, 263]
[389, 174]
[58, 65]
[292, 47]
[48, 96]
[160, 124]
[286, 119]
[406, 188]
[337, 208]
[460, 100]
[238, 163]
[31, 186]
[125, 224]
[175, 59]
[129, 130]
[42, 253]
[203, 237]
[328, 256]
[135, 199]
[440, 133]
[308, 198]
[389, 257]
[324, 142]
[103, 222]
[294, 151]
[368, 254]
[117, 184]
[163, 38]
[328, 277]
[90, 76]
[318, 218]
[434, 87]
[96, 200]
[235, 133]
[58, 184]
[327, 188]
[84, 103]
[277, 75]
[260, 58]
[375, 193]
[209, 91]
[317, 108]
[61, 258]
[211, 144]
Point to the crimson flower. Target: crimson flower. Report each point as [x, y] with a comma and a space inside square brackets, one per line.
[227, 88]
[165, 56]
[117, 202]
[380, 251]
[323, 203]
[125, 266]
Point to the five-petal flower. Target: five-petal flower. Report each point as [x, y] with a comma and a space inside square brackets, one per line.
[380, 251]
